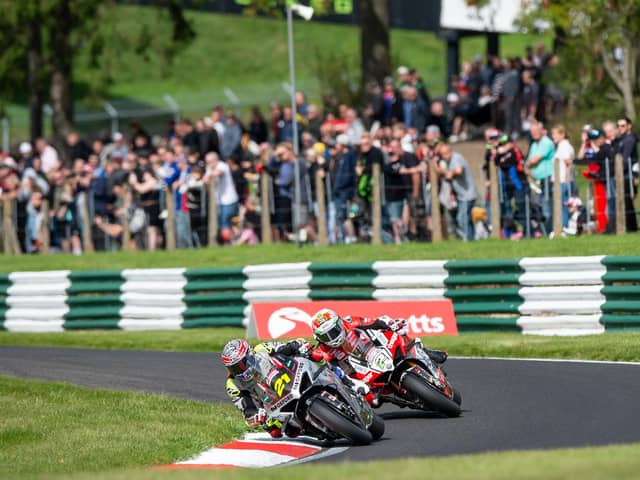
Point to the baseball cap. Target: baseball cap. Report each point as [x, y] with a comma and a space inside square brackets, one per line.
[25, 147]
[402, 70]
[117, 137]
[594, 133]
[343, 139]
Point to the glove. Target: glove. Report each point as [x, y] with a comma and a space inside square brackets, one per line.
[359, 386]
[339, 372]
[304, 348]
[257, 419]
[399, 325]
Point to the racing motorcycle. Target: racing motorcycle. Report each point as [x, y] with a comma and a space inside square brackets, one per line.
[398, 370]
[313, 400]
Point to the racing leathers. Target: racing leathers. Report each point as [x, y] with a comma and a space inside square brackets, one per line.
[353, 324]
[242, 393]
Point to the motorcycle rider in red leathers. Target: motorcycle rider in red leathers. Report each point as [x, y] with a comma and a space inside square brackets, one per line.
[337, 337]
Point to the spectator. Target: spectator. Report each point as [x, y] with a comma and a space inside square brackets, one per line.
[78, 148]
[414, 111]
[231, 138]
[48, 155]
[540, 164]
[458, 172]
[344, 188]
[354, 127]
[227, 197]
[628, 148]
[26, 155]
[208, 140]
[258, 131]
[564, 155]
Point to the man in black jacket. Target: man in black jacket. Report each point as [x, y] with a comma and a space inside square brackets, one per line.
[627, 146]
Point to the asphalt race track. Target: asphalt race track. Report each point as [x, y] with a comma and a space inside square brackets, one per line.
[508, 404]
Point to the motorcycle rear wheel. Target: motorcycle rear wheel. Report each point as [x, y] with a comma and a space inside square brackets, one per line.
[339, 424]
[430, 396]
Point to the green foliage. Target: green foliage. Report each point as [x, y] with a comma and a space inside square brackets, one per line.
[588, 34]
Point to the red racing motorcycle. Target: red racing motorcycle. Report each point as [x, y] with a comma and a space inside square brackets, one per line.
[399, 371]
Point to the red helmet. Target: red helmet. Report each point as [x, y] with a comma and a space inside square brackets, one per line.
[238, 357]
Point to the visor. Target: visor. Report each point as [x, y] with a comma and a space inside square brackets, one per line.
[330, 335]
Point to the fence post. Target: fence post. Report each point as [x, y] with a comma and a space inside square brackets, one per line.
[496, 221]
[620, 213]
[6, 139]
[11, 243]
[170, 222]
[87, 225]
[213, 211]
[557, 199]
[322, 210]
[265, 206]
[436, 218]
[45, 233]
[376, 207]
[6, 225]
[126, 203]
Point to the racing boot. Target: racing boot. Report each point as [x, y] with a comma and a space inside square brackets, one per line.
[438, 356]
[274, 427]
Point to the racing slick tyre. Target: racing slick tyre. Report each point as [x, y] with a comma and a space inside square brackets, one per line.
[430, 396]
[376, 429]
[339, 424]
[457, 396]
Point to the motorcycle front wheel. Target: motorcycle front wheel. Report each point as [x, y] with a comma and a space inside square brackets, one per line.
[430, 396]
[377, 427]
[338, 423]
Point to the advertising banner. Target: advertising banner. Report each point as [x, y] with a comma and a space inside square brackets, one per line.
[292, 320]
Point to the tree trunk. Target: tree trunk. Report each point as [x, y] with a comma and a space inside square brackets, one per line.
[61, 90]
[36, 97]
[374, 41]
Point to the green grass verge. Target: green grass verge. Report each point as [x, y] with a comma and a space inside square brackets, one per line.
[620, 462]
[261, 254]
[608, 346]
[49, 428]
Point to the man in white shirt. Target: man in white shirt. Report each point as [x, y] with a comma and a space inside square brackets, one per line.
[564, 155]
[226, 195]
[48, 155]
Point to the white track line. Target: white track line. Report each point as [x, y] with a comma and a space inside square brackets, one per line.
[323, 453]
[552, 360]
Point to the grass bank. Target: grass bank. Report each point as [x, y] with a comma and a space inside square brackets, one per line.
[260, 254]
[57, 431]
[609, 346]
[52, 428]
[620, 462]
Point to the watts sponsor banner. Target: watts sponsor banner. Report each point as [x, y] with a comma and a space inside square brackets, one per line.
[292, 320]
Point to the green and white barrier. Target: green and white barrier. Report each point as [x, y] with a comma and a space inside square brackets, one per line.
[549, 296]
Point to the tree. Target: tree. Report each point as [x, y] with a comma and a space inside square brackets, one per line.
[374, 40]
[605, 30]
[41, 37]
[375, 57]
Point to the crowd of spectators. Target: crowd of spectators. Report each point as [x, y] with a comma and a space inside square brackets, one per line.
[134, 179]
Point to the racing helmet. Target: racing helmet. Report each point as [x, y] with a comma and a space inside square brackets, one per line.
[328, 328]
[237, 356]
